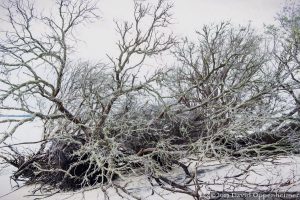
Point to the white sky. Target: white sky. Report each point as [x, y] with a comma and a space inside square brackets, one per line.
[189, 15]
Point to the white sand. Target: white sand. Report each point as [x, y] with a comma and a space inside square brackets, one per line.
[285, 173]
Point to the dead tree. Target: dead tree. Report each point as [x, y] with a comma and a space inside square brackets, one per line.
[222, 100]
[78, 102]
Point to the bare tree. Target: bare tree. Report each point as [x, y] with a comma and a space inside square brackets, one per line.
[78, 102]
[221, 100]
[285, 50]
[225, 91]
[221, 81]
[24, 51]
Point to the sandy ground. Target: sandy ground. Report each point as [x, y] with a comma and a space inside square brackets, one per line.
[283, 174]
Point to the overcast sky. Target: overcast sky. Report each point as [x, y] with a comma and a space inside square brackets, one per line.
[189, 15]
[99, 38]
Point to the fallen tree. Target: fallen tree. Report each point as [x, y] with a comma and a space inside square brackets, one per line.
[107, 120]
